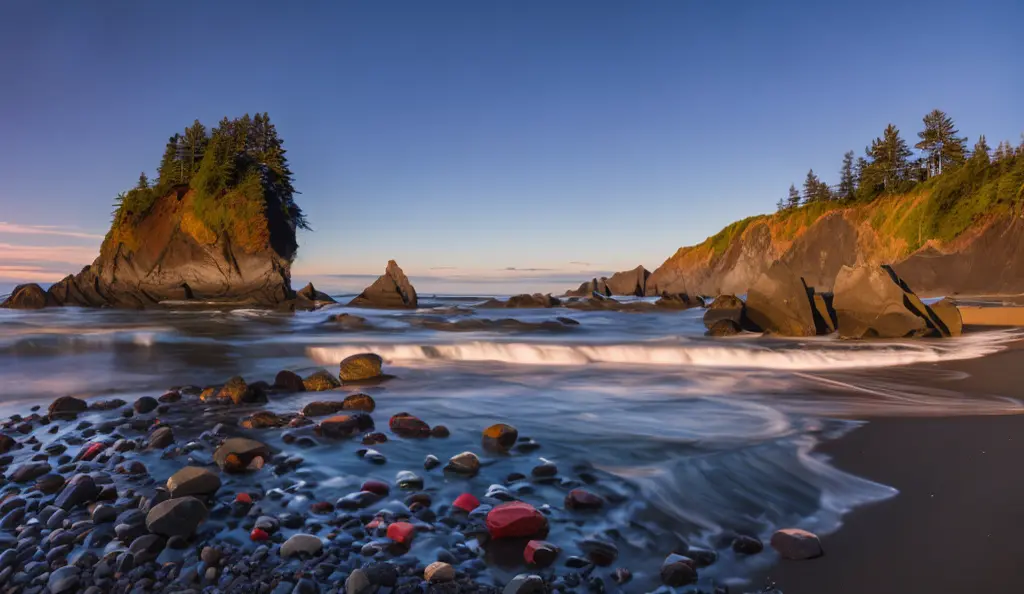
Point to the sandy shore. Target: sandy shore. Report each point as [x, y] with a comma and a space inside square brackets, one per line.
[956, 525]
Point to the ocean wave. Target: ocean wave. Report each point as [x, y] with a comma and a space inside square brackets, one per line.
[782, 355]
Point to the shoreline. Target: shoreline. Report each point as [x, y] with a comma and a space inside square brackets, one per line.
[954, 525]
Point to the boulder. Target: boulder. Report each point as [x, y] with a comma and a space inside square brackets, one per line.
[824, 313]
[309, 293]
[342, 426]
[596, 286]
[288, 381]
[239, 454]
[515, 519]
[629, 282]
[727, 307]
[67, 406]
[176, 517]
[796, 544]
[537, 300]
[321, 381]
[390, 291]
[948, 317]
[360, 368]
[780, 303]
[678, 301]
[30, 296]
[872, 302]
[193, 480]
[500, 438]
[724, 327]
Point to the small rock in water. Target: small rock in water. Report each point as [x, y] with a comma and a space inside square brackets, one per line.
[63, 580]
[321, 381]
[431, 462]
[239, 454]
[145, 405]
[374, 457]
[408, 480]
[304, 544]
[161, 438]
[516, 519]
[796, 544]
[193, 480]
[343, 426]
[525, 584]
[258, 535]
[357, 500]
[288, 381]
[466, 464]
[361, 367]
[678, 571]
[405, 425]
[322, 408]
[380, 487]
[176, 517]
[540, 553]
[169, 397]
[545, 470]
[599, 552]
[500, 438]
[622, 575]
[438, 572]
[440, 432]
[401, 532]
[358, 583]
[466, 502]
[747, 545]
[266, 419]
[67, 406]
[359, 401]
[583, 500]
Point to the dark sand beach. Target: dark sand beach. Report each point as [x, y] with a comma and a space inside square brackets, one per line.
[956, 524]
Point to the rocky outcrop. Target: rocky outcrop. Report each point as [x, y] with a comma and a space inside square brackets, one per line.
[309, 293]
[873, 302]
[169, 254]
[626, 283]
[392, 290]
[537, 300]
[30, 296]
[780, 303]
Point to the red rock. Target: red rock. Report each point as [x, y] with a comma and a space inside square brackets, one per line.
[466, 502]
[796, 544]
[243, 498]
[540, 553]
[401, 532]
[359, 401]
[515, 519]
[258, 535]
[341, 426]
[92, 450]
[405, 425]
[582, 500]
[372, 525]
[322, 507]
[378, 487]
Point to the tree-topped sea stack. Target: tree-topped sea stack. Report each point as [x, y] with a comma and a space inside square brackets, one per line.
[219, 224]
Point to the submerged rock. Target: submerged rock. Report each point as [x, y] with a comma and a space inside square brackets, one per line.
[392, 290]
[360, 368]
[288, 381]
[500, 437]
[465, 464]
[321, 381]
[724, 327]
[726, 307]
[678, 571]
[309, 293]
[515, 519]
[239, 454]
[537, 300]
[405, 425]
[342, 426]
[679, 301]
[796, 544]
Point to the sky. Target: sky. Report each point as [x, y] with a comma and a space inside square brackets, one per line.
[482, 142]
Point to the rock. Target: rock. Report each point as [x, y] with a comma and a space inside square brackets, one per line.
[343, 426]
[161, 438]
[439, 431]
[103, 514]
[948, 316]
[678, 571]
[408, 480]
[465, 464]
[29, 471]
[359, 401]
[7, 443]
[322, 408]
[111, 404]
[405, 425]
[525, 584]
[872, 302]
[723, 328]
[301, 544]
[30, 296]
[67, 406]
[747, 545]
[545, 470]
[796, 544]
[288, 381]
[176, 517]
[779, 302]
[727, 307]
[599, 552]
[309, 293]
[391, 291]
[466, 502]
[358, 500]
[50, 483]
[145, 405]
[170, 397]
[583, 500]
[347, 321]
[379, 487]
[239, 454]
[360, 368]
[321, 381]
[500, 438]
[678, 301]
[622, 575]
[629, 282]
[63, 580]
[438, 572]
[515, 519]
[824, 313]
[540, 553]
[146, 548]
[237, 391]
[358, 583]
[265, 419]
[401, 532]
[191, 481]
[431, 462]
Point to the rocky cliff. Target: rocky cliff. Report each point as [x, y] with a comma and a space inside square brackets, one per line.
[169, 254]
[816, 241]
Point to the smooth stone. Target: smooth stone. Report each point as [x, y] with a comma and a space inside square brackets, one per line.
[439, 572]
[408, 480]
[796, 544]
[63, 580]
[525, 584]
[678, 571]
[500, 438]
[176, 517]
[301, 544]
[358, 583]
[145, 405]
[161, 438]
[465, 464]
[79, 490]
[239, 454]
[747, 545]
[431, 462]
[193, 480]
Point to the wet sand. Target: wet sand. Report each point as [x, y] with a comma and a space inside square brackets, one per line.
[957, 523]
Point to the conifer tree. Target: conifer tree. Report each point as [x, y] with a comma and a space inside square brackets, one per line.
[940, 142]
[143, 182]
[780, 205]
[169, 174]
[888, 154]
[794, 197]
[980, 154]
[195, 141]
[847, 180]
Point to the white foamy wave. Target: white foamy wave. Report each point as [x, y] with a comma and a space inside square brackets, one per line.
[807, 356]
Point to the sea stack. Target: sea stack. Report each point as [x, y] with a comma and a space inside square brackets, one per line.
[392, 290]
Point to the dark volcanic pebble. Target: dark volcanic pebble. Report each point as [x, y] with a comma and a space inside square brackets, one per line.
[145, 405]
[67, 405]
[176, 517]
[747, 545]
[161, 438]
[80, 489]
[525, 584]
[678, 571]
[288, 381]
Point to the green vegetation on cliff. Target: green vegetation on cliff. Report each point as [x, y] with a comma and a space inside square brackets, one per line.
[238, 177]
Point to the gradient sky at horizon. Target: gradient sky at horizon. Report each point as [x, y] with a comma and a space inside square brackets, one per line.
[482, 140]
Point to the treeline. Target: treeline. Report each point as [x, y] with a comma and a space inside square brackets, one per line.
[888, 167]
[237, 167]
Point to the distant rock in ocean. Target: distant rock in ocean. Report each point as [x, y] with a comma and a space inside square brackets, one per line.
[624, 284]
[392, 290]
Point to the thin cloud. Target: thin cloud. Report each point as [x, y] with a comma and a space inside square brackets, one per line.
[29, 274]
[71, 254]
[19, 229]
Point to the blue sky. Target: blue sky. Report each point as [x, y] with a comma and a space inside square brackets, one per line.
[465, 139]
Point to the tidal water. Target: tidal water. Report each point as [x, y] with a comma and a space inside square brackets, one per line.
[693, 439]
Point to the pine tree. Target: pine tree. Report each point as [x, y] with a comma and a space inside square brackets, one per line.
[980, 154]
[143, 182]
[815, 190]
[888, 154]
[847, 180]
[194, 148]
[794, 197]
[169, 174]
[780, 205]
[940, 141]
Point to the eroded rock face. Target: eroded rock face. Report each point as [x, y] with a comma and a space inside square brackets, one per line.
[626, 283]
[182, 260]
[310, 293]
[872, 302]
[392, 290]
[780, 303]
[30, 296]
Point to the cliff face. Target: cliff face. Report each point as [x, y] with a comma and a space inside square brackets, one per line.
[986, 258]
[170, 254]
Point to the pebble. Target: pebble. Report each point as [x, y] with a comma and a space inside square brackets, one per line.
[499, 438]
[431, 462]
[358, 583]
[599, 552]
[525, 584]
[145, 405]
[583, 500]
[439, 572]
[161, 438]
[796, 544]
[678, 571]
[63, 580]
[747, 545]
[465, 464]
[540, 553]
[176, 517]
[301, 544]
[193, 480]
[79, 490]
[545, 470]
[408, 480]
